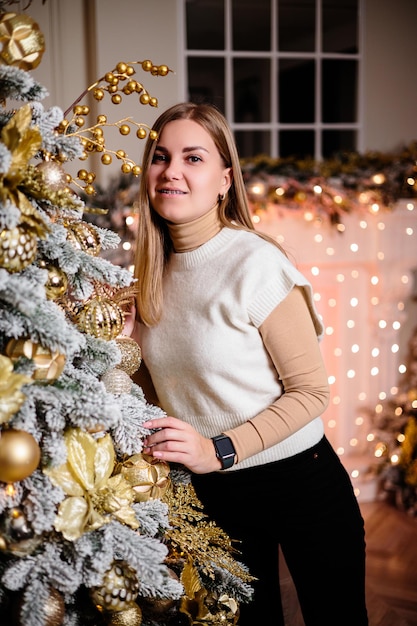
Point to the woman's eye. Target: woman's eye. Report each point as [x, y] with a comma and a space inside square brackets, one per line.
[194, 159]
[158, 158]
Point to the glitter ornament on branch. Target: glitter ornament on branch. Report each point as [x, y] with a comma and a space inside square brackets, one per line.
[119, 589]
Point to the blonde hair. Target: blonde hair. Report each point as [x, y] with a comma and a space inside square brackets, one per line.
[153, 243]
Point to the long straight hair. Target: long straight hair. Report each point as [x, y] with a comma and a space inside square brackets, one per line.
[153, 243]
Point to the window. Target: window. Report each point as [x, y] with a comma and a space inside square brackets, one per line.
[284, 72]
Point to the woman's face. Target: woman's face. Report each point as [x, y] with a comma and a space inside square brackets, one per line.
[187, 173]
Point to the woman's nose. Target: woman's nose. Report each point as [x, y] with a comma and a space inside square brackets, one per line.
[172, 170]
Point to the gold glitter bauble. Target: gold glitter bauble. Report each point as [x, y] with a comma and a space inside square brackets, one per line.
[129, 617]
[149, 477]
[19, 455]
[117, 381]
[119, 588]
[49, 365]
[83, 236]
[101, 318]
[21, 42]
[131, 354]
[18, 247]
[54, 174]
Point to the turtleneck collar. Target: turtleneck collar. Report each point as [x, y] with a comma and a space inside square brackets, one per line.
[186, 237]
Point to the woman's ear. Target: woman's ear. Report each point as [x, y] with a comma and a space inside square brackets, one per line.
[227, 181]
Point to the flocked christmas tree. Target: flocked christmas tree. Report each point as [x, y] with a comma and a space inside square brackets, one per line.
[92, 531]
[394, 423]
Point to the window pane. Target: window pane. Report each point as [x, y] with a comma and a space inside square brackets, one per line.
[296, 25]
[335, 141]
[206, 80]
[205, 24]
[340, 26]
[251, 24]
[296, 143]
[250, 143]
[296, 91]
[339, 91]
[251, 83]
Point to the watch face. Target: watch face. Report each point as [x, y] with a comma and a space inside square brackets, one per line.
[225, 447]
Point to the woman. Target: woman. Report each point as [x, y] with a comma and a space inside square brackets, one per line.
[230, 343]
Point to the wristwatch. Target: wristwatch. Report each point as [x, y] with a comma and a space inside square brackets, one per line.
[225, 450]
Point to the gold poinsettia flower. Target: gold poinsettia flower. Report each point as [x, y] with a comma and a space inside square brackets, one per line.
[94, 496]
[23, 142]
[11, 396]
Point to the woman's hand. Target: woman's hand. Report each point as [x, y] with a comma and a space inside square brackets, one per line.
[177, 442]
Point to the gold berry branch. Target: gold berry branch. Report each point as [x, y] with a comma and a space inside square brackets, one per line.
[118, 83]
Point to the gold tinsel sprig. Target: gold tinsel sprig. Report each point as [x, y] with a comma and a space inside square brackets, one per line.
[193, 538]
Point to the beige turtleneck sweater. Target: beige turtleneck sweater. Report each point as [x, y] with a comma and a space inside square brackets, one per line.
[290, 421]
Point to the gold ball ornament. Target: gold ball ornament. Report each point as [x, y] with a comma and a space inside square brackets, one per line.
[129, 617]
[119, 588]
[18, 247]
[148, 477]
[49, 364]
[57, 282]
[54, 174]
[84, 236]
[19, 455]
[102, 318]
[22, 43]
[117, 381]
[53, 612]
[131, 354]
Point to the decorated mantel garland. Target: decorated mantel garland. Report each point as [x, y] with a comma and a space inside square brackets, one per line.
[92, 531]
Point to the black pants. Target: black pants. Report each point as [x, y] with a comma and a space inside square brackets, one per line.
[305, 504]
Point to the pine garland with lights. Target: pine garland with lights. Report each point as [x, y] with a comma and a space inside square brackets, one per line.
[91, 530]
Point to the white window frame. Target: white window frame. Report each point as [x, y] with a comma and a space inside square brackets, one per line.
[274, 55]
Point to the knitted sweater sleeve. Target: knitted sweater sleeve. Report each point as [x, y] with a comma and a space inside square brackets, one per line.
[289, 336]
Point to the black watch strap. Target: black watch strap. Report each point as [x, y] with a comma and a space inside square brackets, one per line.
[225, 450]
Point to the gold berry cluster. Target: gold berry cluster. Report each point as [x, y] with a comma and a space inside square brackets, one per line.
[118, 83]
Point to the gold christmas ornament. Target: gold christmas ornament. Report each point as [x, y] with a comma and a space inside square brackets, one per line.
[131, 616]
[158, 607]
[56, 284]
[119, 588]
[19, 455]
[116, 381]
[17, 535]
[18, 247]
[131, 354]
[53, 610]
[49, 364]
[54, 174]
[22, 43]
[101, 318]
[149, 477]
[83, 236]
[11, 396]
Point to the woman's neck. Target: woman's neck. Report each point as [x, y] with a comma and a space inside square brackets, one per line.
[186, 237]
